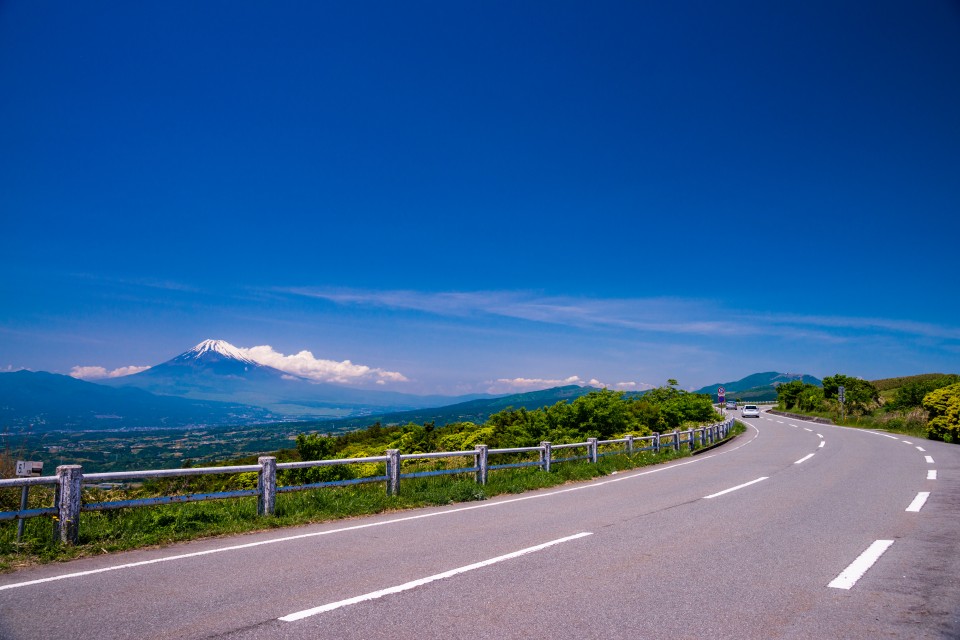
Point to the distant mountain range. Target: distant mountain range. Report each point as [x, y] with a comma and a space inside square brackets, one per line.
[214, 383]
[45, 401]
[757, 387]
[217, 370]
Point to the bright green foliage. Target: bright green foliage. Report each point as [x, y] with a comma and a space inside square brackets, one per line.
[317, 447]
[788, 394]
[860, 394]
[911, 394]
[797, 394]
[944, 407]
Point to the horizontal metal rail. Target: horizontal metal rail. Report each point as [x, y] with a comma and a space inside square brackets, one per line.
[516, 465]
[152, 502]
[438, 454]
[326, 463]
[115, 476]
[10, 483]
[440, 472]
[331, 483]
[27, 513]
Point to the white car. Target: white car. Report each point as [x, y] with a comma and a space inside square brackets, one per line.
[750, 411]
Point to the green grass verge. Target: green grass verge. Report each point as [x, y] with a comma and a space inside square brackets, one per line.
[126, 529]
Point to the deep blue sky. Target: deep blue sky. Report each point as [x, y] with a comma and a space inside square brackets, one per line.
[471, 193]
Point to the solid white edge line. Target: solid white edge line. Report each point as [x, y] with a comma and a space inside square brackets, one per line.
[804, 458]
[918, 502]
[306, 613]
[849, 576]
[739, 486]
[932, 474]
[381, 523]
[929, 459]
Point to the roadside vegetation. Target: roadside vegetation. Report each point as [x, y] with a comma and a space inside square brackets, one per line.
[924, 406]
[602, 414]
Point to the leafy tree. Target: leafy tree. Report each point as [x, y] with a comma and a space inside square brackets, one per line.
[944, 407]
[860, 394]
[788, 394]
[911, 394]
[811, 398]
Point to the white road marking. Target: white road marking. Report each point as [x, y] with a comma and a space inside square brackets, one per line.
[821, 444]
[932, 474]
[920, 449]
[808, 429]
[918, 502]
[804, 458]
[315, 534]
[907, 442]
[739, 486]
[858, 567]
[300, 615]
[929, 459]
[819, 435]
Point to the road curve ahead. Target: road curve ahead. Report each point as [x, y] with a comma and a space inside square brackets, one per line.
[795, 530]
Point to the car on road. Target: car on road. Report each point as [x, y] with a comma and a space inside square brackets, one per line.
[750, 411]
[731, 404]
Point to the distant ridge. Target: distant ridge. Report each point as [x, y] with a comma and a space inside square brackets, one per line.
[758, 387]
[45, 401]
[476, 411]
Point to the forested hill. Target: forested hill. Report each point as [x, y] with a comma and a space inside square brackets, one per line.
[476, 411]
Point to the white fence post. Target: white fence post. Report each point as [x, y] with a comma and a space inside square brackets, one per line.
[656, 442]
[393, 472]
[676, 440]
[546, 454]
[66, 526]
[629, 445]
[592, 449]
[267, 486]
[480, 462]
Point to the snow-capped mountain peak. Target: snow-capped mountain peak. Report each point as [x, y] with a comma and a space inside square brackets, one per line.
[219, 347]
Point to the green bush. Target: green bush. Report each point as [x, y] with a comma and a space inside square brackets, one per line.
[944, 408]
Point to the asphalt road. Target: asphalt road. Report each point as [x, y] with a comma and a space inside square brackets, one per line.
[759, 538]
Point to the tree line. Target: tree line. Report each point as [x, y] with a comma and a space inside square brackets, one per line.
[933, 400]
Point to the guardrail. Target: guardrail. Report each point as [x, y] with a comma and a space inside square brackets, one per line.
[69, 479]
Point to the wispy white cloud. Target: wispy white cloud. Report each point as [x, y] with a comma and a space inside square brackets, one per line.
[100, 373]
[305, 365]
[674, 316]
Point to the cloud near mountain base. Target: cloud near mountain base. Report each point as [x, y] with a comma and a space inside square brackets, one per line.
[100, 373]
[305, 365]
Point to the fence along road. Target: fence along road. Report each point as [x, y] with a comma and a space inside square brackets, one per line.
[638, 554]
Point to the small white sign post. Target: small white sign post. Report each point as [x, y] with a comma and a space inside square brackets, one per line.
[26, 469]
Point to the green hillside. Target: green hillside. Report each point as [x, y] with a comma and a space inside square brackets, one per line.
[758, 387]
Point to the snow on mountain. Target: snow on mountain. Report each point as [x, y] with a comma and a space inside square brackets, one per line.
[215, 347]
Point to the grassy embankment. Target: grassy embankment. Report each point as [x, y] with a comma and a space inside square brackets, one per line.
[125, 529]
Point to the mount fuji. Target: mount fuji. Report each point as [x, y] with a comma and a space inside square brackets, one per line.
[217, 370]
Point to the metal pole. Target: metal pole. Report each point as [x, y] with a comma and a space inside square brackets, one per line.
[23, 507]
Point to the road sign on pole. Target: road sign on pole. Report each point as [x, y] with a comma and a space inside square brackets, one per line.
[720, 393]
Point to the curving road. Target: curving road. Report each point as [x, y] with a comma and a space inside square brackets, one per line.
[795, 530]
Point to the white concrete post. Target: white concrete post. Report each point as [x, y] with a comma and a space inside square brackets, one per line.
[480, 462]
[393, 472]
[267, 486]
[66, 527]
[629, 445]
[546, 454]
[592, 449]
